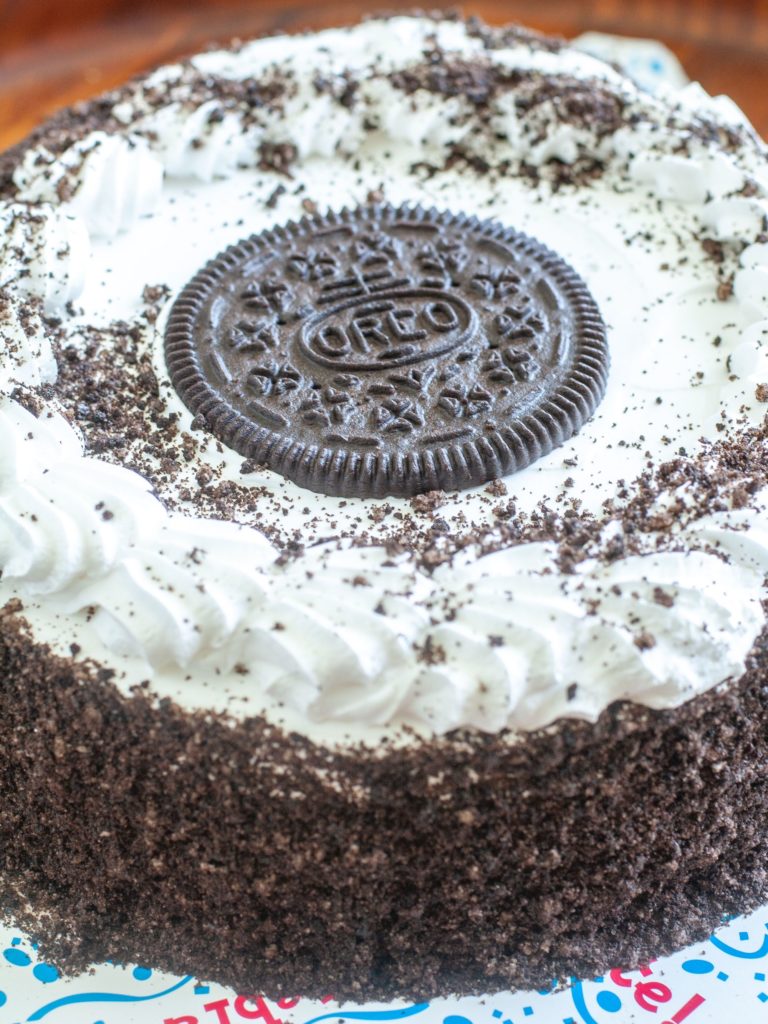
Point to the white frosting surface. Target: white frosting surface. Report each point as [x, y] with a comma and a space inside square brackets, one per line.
[347, 642]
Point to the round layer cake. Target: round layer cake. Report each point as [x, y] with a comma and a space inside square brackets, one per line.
[383, 471]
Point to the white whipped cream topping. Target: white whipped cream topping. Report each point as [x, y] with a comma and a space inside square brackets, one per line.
[345, 642]
[108, 181]
[44, 256]
[26, 356]
[332, 635]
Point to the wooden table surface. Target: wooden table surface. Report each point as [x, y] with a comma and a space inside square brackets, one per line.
[53, 53]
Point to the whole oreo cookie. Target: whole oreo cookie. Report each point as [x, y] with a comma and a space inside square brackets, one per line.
[388, 351]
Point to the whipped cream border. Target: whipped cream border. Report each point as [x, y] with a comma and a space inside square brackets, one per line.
[500, 641]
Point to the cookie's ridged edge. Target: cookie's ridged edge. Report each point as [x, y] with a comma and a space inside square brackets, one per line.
[335, 471]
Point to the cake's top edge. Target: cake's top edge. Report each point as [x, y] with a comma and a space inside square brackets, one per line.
[25, 658]
[73, 123]
[476, 77]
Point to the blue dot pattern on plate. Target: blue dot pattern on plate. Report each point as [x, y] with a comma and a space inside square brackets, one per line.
[17, 957]
[45, 973]
[698, 967]
[609, 1002]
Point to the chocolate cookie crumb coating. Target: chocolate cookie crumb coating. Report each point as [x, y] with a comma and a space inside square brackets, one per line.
[133, 831]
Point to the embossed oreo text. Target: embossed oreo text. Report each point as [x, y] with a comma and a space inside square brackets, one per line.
[388, 351]
[406, 328]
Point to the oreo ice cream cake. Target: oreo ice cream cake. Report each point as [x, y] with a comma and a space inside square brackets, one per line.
[382, 516]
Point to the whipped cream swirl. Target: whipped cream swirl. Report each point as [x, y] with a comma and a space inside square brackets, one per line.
[43, 253]
[108, 181]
